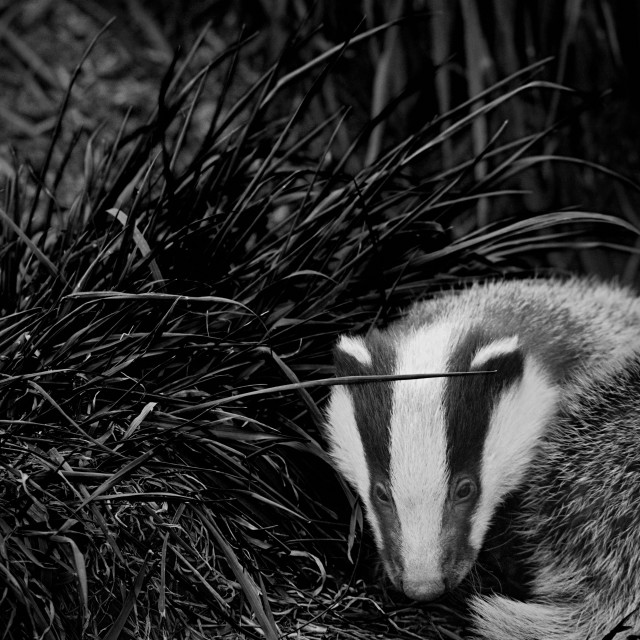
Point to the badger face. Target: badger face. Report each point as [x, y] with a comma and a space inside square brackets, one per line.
[432, 459]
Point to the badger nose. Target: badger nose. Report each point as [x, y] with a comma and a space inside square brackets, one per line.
[423, 589]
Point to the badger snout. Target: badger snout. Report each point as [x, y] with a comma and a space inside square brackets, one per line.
[424, 590]
[425, 581]
[417, 584]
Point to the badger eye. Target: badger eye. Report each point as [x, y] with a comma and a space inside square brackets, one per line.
[465, 489]
[381, 493]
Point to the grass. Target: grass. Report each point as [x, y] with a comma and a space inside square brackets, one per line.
[163, 473]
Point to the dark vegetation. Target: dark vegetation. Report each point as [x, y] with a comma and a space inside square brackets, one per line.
[183, 237]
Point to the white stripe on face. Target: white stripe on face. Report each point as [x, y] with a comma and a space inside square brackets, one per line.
[516, 425]
[347, 450]
[419, 472]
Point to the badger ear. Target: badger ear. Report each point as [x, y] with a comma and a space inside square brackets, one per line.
[498, 349]
[351, 356]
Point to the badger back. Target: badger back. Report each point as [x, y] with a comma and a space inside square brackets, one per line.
[432, 459]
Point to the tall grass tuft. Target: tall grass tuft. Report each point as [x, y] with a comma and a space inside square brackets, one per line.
[151, 484]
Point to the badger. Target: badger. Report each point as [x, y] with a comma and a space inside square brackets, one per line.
[550, 433]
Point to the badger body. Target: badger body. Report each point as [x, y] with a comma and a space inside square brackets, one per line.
[557, 426]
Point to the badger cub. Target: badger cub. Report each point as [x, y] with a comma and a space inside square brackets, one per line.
[557, 425]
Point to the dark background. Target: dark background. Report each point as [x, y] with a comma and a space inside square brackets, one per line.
[446, 52]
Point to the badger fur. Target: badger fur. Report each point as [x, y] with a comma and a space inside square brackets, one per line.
[556, 428]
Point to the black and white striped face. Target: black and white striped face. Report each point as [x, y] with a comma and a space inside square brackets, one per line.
[432, 459]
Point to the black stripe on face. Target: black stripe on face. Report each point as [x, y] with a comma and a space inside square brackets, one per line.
[468, 401]
[372, 401]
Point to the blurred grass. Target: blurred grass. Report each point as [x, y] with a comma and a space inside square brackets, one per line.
[177, 259]
[446, 52]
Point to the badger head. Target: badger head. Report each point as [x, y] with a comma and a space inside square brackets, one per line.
[432, 459]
